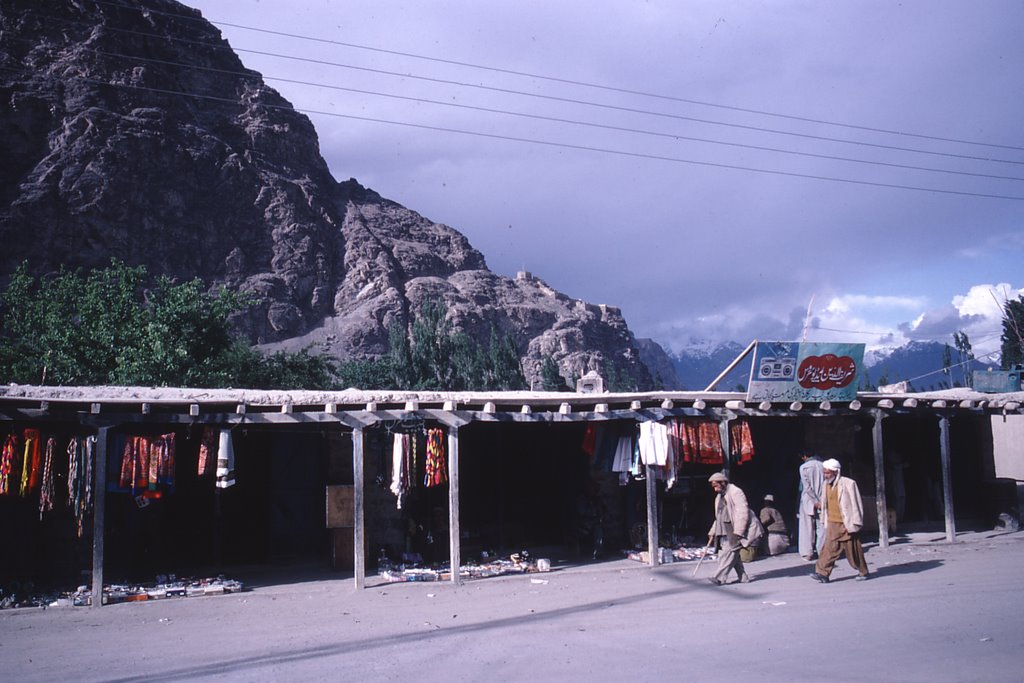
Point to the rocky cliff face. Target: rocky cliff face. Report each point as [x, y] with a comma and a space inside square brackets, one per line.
[136, 133]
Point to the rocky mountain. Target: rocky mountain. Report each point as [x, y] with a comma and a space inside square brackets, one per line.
[133, 131]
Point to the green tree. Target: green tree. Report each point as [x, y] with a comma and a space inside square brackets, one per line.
[107, 327]
[435, 356]
[1013, 333]
[504, 367]
[966, 357]
[947, 363]
[69, 328]
[550, 377]
[185, 338]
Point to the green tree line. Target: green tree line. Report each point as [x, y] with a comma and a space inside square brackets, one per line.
[116, 325]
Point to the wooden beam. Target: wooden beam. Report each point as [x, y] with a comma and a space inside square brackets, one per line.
[99, 508]
[454, 540]
[947, 479]
[359, 532]
[880, 505]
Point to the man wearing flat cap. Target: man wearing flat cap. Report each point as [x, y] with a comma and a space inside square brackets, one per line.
[843, 512]
[732, 518]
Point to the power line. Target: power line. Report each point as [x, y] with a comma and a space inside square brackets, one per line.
[579, 83]
[575, 122]
[550, 143]
[563, 145]
[566, 100]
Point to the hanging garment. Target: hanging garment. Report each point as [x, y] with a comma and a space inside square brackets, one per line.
[207, 450]
[653, 444]
[399, 482]
[46, 490]
[225, 460]
[8, 464]
[154, 465]
[31, 462]
[590, 433]
[72, 452]
[80, 454]
[167, 448]
[623, 459]
[436, 466]
[127, 477]
[740, 441]
[710, 444]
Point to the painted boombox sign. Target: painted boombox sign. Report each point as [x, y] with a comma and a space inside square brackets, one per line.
[804, 371]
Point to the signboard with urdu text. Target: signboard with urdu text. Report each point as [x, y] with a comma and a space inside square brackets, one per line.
[805, 371]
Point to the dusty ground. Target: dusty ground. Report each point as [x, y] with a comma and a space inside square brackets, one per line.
[931, 612]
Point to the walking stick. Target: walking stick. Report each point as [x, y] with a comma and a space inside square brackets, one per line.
[700, 560]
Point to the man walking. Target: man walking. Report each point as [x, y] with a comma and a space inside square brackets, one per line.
[732, 517]
[843, 510]
[811, 527]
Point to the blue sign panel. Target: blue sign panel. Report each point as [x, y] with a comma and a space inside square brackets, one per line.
[805, 371]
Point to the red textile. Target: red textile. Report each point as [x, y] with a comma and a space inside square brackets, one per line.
[741, 442]
[700, 442]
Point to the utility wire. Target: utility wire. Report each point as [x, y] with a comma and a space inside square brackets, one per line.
[550, 143]
[564, 145]
[566, 81]
[567, 100]
[574, 122]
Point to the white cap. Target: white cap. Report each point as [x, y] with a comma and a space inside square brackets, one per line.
[832, 464]
[769, 497]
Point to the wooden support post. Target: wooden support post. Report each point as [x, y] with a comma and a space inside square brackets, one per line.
[99, 508]
[652, 516]
[454, 539]
[947, 479]
[359, 532]
[880, 503]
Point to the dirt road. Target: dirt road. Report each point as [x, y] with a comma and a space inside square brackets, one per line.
[931, 612]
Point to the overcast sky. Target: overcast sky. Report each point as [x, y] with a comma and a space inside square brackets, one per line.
[714, 169]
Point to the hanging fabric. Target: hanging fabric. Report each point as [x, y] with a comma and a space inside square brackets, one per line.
[166, 446]
[436, 467]
[72, 452]
[80, 454]
[399, 464]
[31, 462]
[709, 444]
[225, 460]
[46, 490]
[740, 441]
[207, 450]
[8, 464]
[623, 458]
[653, 444]
[590, 433]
